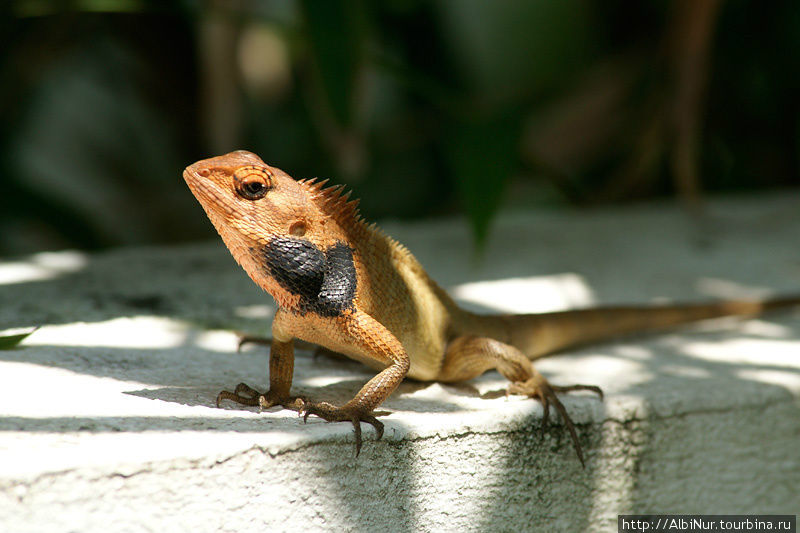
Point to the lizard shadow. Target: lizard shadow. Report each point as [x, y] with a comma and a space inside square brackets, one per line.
[680, 387]
[169, 377]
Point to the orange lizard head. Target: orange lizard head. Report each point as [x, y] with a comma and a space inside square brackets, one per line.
[248, 200]
[252, 204]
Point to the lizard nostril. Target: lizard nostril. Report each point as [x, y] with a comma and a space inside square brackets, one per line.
[204, 172]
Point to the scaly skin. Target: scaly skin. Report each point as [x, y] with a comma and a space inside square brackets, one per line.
[344, 285]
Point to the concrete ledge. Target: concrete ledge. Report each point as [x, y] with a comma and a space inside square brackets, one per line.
[107, 420]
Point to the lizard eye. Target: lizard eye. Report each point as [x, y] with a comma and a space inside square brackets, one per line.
[252, 183]
[253, 189]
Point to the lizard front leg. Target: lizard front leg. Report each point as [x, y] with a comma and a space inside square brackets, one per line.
[318, 351]
[281, 371]
[468, 357]
[362, 334]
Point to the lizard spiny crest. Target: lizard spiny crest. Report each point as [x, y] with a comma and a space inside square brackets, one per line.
[336, 202]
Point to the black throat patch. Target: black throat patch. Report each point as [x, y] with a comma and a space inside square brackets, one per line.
[325, 281]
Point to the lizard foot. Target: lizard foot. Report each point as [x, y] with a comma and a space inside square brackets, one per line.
[244, 394]
[332, 413]
[538, 387]
[249, 339]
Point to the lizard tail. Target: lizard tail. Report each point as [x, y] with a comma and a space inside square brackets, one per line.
[541, 334]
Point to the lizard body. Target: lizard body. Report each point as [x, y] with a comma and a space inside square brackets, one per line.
[341, 283]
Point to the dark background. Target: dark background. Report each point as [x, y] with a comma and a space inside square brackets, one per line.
[423, 108]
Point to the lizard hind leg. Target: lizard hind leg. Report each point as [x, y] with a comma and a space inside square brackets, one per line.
[469, 356]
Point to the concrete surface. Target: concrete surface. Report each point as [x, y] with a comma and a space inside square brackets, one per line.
[107, 420]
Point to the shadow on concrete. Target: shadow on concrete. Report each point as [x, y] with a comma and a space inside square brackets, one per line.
[193, 283]
[386, 474]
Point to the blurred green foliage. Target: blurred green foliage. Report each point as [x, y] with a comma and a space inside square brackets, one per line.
[422, 107]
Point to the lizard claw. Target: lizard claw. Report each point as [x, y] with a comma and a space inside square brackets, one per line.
[538, 387]
[332, 413]
[244, 394]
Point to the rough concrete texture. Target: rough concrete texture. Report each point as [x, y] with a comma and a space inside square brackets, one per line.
[107, 420]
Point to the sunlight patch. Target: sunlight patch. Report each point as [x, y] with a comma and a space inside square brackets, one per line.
[790, 380]
[217, 341]
[129, 332]
[758, 351]
[254, 311]
[762, 328]
[537, 294]
[724, 289]
[42, 266]
[686, 371]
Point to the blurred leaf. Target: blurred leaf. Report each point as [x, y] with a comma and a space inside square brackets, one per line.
[8, 342]
[99, 117]
[482, 154]
[509, 48]
[40, 8]
[87, 148]
[335, 32]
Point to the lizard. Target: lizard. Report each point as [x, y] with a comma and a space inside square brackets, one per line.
[341, 283]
